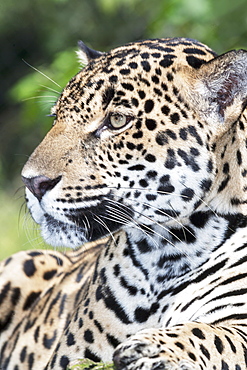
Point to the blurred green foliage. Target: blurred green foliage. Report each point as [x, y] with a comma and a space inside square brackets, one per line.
[17, 230]
[44, 34]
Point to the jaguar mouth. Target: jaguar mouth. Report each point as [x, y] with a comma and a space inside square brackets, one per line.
[61, 234]
[73, 226]
[85, 224]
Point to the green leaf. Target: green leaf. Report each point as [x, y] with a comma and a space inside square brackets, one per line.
[86, 364]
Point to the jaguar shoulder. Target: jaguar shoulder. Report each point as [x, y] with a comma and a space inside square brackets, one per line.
[148, 150]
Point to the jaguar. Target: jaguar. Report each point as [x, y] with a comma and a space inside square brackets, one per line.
[144, 176]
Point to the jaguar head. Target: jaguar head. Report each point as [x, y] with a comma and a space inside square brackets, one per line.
[133, 141]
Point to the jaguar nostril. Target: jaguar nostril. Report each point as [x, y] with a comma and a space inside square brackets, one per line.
[39, 185]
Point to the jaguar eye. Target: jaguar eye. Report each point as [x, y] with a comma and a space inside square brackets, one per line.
[113, 121]
[118, 120]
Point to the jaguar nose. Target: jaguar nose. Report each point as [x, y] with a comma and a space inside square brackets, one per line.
[39, 185]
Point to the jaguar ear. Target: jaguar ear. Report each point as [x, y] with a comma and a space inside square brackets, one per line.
[85, 54]
[219, 87]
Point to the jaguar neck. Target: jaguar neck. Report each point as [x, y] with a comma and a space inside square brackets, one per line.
[175, 251]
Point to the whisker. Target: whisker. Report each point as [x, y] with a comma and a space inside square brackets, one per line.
[138, 225]
[30, 230]
[162, 212]
[161, 236]
[164, 193]
[41, 96]
[148, 190]
[156, 208]
[183, 227]
[118, 216]
[22, 187]
[129, 221]
[43, 74]
[51, 89]
[86, 223]
[101, 222]
[87, 226]
[157, 223]
[207, 205]
[23, 207]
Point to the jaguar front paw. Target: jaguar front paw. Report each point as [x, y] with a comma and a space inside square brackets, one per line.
[138, 355]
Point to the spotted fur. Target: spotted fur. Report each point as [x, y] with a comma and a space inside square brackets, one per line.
[148, 150]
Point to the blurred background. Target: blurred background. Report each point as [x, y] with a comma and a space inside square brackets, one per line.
[42, 35]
